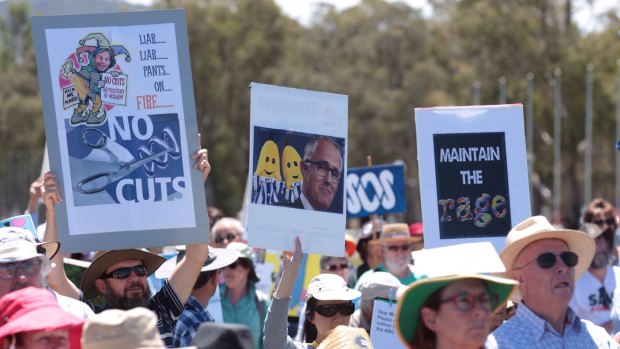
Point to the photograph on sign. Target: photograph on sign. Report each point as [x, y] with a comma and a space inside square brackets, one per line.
[297, 165]
[464, 162]
[375, 190]
[121, 128]
[473, 173]
[279, 170]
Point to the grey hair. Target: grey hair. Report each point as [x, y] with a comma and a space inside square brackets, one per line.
[311, 146]
[228, 221]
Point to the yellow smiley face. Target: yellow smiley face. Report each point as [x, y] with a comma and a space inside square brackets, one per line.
[269, 161]
[291, 166]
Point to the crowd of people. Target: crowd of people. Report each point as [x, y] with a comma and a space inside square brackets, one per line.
[562, 282]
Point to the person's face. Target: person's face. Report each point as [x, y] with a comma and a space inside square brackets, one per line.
[54, 339]
[125, 293]
[235, 275]
[337, 266]
[397, 255]
[224, 235]
[604, 221]
[457, 323]
[102, 61]
[18, 275]
[324, 324]
[544, 289]
[320, 182]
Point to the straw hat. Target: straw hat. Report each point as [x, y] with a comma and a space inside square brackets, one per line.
[538, 228]
[395, 232]
[126, 329]
[413, 298]
[36, 309]
[345, 337]
[104, 259]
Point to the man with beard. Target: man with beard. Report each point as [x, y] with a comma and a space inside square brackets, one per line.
[594, 290]
[120, 275]
[546, 261]
[396, 245]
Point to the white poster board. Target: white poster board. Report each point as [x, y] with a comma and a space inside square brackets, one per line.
[473, 173]
[382, 331]
[297, 188]
[468, 258]
[121, 127]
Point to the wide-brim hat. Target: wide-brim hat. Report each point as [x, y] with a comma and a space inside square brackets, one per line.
[49, 248]
[104, 259]
[327, 287]
[395, 232]
[36, 309]
[211, 335]
[345, 337]
[413, 298]
[538, 228]
[218, 259]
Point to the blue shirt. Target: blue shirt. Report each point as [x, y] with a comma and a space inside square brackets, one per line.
[528, 330]
[247, 311]
[187, 325]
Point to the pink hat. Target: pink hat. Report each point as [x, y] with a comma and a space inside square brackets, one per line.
[416, 229]
[36, 309]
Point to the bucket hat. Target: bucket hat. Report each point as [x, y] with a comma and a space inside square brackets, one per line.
[218, 259]
[330, 287]
[244, 251]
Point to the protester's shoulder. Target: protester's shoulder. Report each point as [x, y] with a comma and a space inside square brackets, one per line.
[363, 277]
[505, 334]
[74, 306]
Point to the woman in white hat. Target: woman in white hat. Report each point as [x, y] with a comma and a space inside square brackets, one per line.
[450, 311]
[328, 304]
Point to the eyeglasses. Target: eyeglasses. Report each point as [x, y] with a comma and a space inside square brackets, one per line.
[465, 302]
[228, 236]
[395, 248]
[329, 310]
[124, 273]
[322, 168]
[548, 259]
[607, 221]
[29, 267]
[334, 267]
[232, 265]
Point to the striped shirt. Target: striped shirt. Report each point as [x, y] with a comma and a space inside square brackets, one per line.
[528, 330]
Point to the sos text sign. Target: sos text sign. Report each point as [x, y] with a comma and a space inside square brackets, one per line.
[375, 190]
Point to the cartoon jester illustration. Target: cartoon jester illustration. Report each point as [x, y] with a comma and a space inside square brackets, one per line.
[88, 81]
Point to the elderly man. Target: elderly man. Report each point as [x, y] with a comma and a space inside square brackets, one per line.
[23, 264]
[546, 261]
[225, 231]
[396, 243]
[321, 169]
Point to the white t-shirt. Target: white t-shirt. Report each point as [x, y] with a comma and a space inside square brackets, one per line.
[592, 300]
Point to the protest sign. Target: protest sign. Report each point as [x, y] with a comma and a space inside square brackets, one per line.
[22, 221]
[473, 173]
[121, 127]
[298, 161]
[375, 190]
[382, 330]
[468, 258]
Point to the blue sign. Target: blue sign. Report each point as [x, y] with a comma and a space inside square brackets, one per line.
[375, 190]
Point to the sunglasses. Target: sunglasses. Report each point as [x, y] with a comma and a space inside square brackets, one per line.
[608, 221]
[228, 236]
[29, 267]
[329, 310]
[124, 273]
[334, 267]
[395, 248]
[548, 259]
[466, 302]
[232, 265]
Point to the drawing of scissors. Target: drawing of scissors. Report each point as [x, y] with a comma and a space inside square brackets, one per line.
[97, 182]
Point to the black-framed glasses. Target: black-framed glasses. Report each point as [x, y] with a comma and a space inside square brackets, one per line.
[329, 310]
[29, 267]
[125, 272]
[548, 259]
[322, 168]
[395, 248]
[334, 267]
[465, 302]
[606, 221]
[228, 236]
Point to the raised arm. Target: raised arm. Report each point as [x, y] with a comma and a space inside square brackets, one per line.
[57, 279]
[290, 268]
